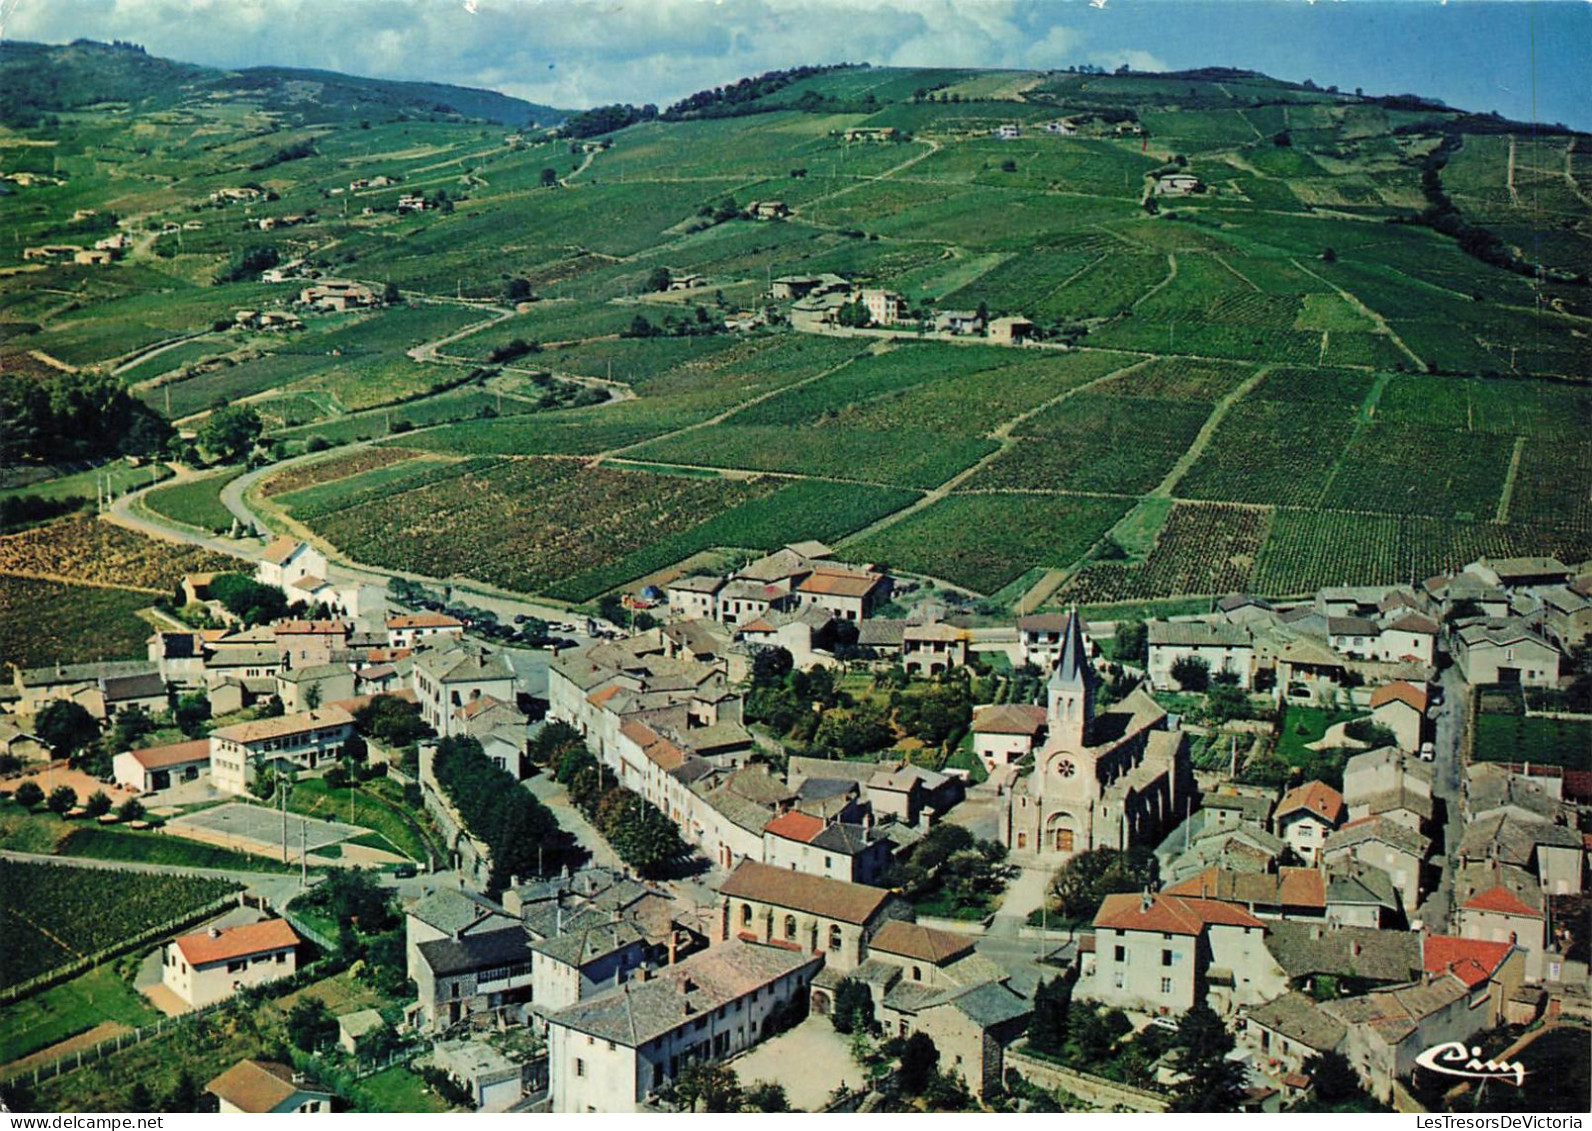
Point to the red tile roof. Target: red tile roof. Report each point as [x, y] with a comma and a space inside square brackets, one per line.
[1499, 899]
[1010, 718]
[1176, 915]
[236, 942]
[1316, 797]
[178, 753]
[424, 620]
[795, 826]
[280, 549]
[913, 941]
[840, 584]
[1473, 961]
[1401, 691]
[816, 895]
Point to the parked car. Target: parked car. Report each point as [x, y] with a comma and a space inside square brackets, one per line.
[405, 872]
[1428, 752]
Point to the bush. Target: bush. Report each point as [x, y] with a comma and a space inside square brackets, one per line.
[29, 795]
[62, 799]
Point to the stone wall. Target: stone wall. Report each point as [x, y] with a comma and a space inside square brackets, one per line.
[1105, 1095]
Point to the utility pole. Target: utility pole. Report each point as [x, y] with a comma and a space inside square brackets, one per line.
[304, 866]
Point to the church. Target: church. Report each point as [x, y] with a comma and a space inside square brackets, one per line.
[1114, 779]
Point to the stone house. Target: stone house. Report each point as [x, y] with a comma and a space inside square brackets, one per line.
[812, 914]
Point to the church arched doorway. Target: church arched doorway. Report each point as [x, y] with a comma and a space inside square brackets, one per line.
[1060, 832]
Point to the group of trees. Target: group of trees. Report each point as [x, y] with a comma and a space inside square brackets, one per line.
[247, 264]
[230, 432]
[739, 98]
[711, 1086]
[75, 416]
[1083, 882]
[63, 799]
[522, 835]
[949, 861]
[638, 831]
[251, 601]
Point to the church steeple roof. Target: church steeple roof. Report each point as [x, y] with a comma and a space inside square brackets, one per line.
[1072, 666]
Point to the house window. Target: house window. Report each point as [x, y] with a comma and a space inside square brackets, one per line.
[1117, 979]
[1166, 958]
[917, 973]
[1166, 985]
[834, 937]
[1120, 953]
[746, 914]
[790, 927]
[580, 1067]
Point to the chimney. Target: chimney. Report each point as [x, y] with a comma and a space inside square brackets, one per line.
[1146, 901]
[215, 932]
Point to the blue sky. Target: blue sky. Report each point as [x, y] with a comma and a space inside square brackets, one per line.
[1527, 59]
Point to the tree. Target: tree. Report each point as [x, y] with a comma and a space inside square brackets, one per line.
[1191, 672]
[184, 1096]
[191, 714]
[853, 1010]
[98, 804]
[391, 295]
[1328, 255]
[919, 1059]
[1131, 643]
[131, 726]
[1210, 1081]
[393, 721]
[310, 1024]
[248, 599]
[1333, 1077]
[62, 799]
[659, 279]
[1083, 882]
[1047, 1028]
[709, 1083]
[644, 838]
[312, 697]
[765, 1096]
[230, 432]
[1087, 1036]
[130, 810]
[29, 795]
[771, 666]
[853, 314]
[66, 727]
[549, 177]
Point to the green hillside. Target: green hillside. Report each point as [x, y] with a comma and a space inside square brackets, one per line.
[1283, 336]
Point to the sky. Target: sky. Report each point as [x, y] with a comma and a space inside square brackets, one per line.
[1530, 60]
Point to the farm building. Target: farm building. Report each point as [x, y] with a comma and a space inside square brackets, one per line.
[159, 767]
[1006, 733]
[1011, 330]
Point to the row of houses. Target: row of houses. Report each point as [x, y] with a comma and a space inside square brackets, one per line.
[792, 579]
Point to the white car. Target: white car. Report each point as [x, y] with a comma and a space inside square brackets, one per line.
[1428, 752]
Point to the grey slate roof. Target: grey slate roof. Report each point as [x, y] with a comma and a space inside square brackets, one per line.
[1361, 885]
[1305, 949]
[476, 952]
[1513, 840]
[640, 1011]
[588, 944]
[1297, 1017]
[84, 673]
[448, 910]
[1197, 634]
[1384, 829]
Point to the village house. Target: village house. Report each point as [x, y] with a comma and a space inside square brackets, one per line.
[911, 794]
[1400, 706]
[310, 643]
[1381, 842]
[933, 649]
[1162, 954]
[1519, 573]
[155, 768]
[320, 683]
[1306, 816]
[285, 560]
[486, 971]
[448, 913]
[216, 963]
[1409, 636]
[303, 740]
[885, 308]
[1503, 650]
[810, 914]
[1288, 893]
[803, 843]
[870, 133]
[695, 598]
[1007, 733]
[1385, 1030]
[592, 953]
[1498, 902]
[356, 1031]
[85, 685]
[21, 745]
[849, 594]
[958, 322]
[1223, 648]
[932, 982]
[1325, 958]
[1007, 132]
[1040, 636]
[179, 657]
[610, 1052]
[265, 1087]
[453, 674]
[1553, 853]
[767, 210]
[801, 286]
[410, 630]
[1110, 781]
[1354, 637]
[493, 1080]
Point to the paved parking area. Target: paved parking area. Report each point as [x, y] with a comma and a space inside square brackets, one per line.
[258, 829]
[810, 1060]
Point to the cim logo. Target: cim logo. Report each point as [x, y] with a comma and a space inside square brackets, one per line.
[1452, 1058]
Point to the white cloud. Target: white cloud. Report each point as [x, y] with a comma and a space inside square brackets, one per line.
[1135, 59]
